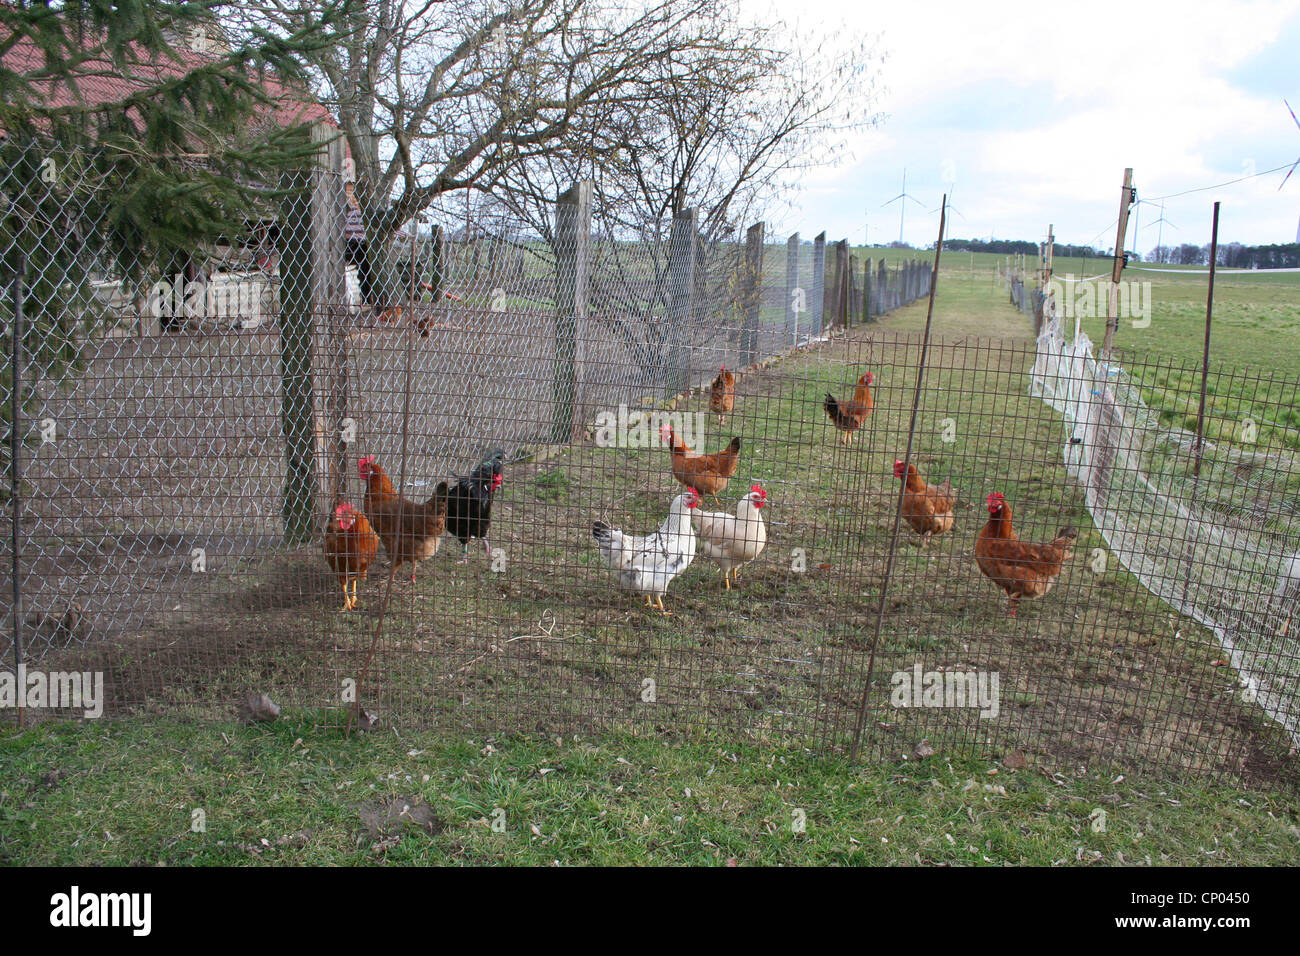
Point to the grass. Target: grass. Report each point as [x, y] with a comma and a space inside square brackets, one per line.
[1255, 345]
[298, 793]
[1256, 316]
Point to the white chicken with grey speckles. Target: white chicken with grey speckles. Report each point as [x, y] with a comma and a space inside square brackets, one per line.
[649, 564]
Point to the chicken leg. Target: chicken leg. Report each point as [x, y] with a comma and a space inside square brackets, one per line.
[350, 599]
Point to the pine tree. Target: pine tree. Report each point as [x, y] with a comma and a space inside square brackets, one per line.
[127, 153]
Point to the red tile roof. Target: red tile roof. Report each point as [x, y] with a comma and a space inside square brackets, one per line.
[99, 82]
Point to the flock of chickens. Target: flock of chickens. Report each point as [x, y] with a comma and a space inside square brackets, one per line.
[410, 531]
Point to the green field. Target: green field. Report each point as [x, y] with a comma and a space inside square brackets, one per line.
[1256, 317]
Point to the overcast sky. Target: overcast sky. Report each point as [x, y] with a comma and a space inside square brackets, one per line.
[1034, 110]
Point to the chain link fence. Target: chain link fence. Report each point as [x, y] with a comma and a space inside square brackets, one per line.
[187, 432]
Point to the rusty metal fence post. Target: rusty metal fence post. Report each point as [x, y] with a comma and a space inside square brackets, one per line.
[15, 474]
[865, 702]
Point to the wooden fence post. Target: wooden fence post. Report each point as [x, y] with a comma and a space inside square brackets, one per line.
[796, 300]
[851, 305]
[329, 211]
[751, 293]
[834, 292]
[311, 278]
[437, 265]
[866, 291]
[818, 286]
[1126, 197]
[682, 243]
[572, 273]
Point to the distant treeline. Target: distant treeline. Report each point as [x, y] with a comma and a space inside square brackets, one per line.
[1232, 255]
[1011, 247]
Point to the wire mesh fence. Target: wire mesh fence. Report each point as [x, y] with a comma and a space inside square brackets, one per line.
[179, 482]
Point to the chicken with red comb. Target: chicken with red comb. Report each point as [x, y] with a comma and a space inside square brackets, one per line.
[1023, 569]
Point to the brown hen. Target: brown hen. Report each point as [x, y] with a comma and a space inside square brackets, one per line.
[722, 395]
[849, 416]
[708, 474]
[409, 530]
[927, 508]
[1021, 568]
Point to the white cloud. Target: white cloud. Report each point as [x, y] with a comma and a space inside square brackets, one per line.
[1041, 108]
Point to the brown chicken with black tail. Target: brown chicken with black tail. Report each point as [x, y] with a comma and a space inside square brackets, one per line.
[1021, 568]
[410, 530]
[707, 474]
[849, 416]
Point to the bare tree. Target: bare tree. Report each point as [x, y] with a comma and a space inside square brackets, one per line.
[727, 126]
[665, 104]
[435, 97]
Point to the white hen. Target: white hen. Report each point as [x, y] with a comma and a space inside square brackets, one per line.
[733, 540]
[649, 564]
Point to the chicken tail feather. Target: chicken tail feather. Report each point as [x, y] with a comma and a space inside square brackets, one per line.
[837, 417]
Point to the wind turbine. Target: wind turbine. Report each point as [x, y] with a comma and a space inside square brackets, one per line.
[1293, 166]
[902, 198]
[1161, 223]
[952, 188]
[1137, 217]
[1297, 162]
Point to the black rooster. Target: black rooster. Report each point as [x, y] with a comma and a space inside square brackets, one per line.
[469, 503]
